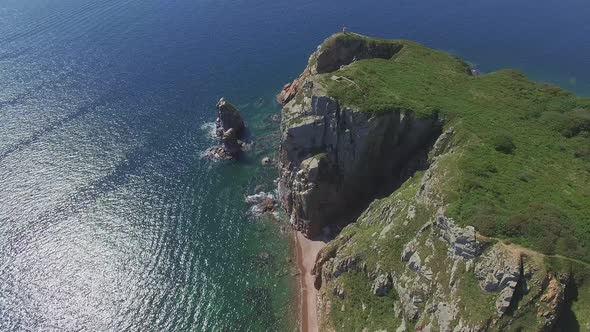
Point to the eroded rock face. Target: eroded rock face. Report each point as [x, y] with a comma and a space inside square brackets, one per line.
[382, 285]
[333, 158]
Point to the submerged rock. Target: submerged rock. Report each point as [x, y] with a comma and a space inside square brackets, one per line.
[261, 203]
[266, 161]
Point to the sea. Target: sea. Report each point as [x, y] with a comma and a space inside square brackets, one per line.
[110, 217]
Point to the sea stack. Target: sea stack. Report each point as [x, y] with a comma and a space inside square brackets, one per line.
[228, 117]
[230, 129]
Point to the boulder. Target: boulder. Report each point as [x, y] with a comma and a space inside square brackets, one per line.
[261, 203]
[409, 250]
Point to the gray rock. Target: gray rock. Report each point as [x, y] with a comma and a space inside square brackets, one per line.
[499, 271]
[462, 240]
[406, 299]
[342, 265]
[381, 285]
[229, 128]
[402, 327]
[409, 250]
[445, 314]
[415, 262]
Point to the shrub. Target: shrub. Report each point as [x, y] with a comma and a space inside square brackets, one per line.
[568, 124]
[582, 153]
[546, 227]
[503, 143]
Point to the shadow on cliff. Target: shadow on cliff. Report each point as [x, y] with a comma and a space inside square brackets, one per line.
[409, 162]
[567, 321]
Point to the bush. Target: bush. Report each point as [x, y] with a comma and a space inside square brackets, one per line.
[546, 227]
[568, 124]
[583, 153]
[503, 143]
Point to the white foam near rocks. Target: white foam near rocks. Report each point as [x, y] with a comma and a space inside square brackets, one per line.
[210, 129]
[258, 202]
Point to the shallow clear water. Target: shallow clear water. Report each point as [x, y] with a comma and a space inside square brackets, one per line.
[110, 219]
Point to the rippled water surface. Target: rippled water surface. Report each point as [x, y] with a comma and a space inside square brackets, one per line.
[109, 218]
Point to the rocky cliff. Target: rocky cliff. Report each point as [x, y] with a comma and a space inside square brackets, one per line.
[388, 135]
[335, 159]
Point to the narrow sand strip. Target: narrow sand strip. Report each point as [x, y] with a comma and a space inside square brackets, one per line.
[307, 251]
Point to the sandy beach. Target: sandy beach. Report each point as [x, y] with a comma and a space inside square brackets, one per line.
[306, 253]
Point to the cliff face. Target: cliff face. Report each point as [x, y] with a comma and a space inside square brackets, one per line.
[398, 171]
[335, 159]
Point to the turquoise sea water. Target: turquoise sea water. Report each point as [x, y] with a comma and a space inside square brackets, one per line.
[109, 218]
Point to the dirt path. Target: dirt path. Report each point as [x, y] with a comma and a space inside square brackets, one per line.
[306, 252]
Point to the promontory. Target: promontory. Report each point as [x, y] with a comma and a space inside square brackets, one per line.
[455, 201]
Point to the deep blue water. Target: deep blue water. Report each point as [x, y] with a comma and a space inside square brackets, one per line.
[109, 217]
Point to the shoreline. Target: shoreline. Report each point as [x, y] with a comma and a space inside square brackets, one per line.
[306, 251]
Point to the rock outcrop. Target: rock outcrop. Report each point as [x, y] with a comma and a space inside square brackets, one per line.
[230, 129]
[499, 270]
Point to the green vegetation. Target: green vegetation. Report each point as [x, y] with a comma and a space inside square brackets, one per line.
[521, 163]
[360, 308]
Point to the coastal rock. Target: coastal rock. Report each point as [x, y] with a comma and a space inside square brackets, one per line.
[266, 161]
[462, 240]
[333, 55]
[552, 299]
[228, 117]
[230, 129]
[409, 250]
[415, 262]
[339, 164]
[261, 203]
